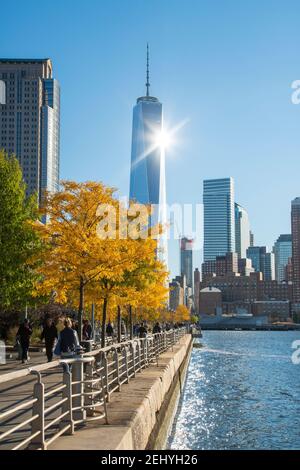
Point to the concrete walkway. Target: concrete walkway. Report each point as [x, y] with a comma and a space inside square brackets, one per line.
[132, 411]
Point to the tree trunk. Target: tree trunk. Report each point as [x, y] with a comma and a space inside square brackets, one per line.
[119, 324]
[130, 323]
[81, 308]
[103, 326]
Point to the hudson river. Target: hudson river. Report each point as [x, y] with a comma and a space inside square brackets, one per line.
[242, 391]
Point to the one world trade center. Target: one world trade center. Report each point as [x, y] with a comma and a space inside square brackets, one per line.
[147, 175]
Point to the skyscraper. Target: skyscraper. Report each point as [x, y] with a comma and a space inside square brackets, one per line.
[186, 260]
[295, 216]
[262, 261]
[269, 268]
[242, 230]
[147, 175]
[283, 251]
[30, 121]
[219, 219]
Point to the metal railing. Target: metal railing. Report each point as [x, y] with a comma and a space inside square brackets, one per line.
[54, 398]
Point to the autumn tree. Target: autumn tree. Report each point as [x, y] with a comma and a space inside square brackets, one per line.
[18, 241]
[86, 252]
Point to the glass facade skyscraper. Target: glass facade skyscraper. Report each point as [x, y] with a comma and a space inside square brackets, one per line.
[147, 174]
[219, 217]
[262, 261]
[30, 121]
[186, 260]
[242, 231]
[282, 251]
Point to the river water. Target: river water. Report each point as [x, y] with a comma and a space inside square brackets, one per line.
[242, 391]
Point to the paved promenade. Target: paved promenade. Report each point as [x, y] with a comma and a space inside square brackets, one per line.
[132, 412]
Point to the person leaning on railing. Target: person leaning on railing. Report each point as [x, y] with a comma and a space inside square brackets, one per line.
[68, 342]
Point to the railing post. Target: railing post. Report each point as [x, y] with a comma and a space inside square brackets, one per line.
[38, 425]
[88, 399]
[126, 363]
[105, 367]
[79, 413]
[117, 363]
[67, 405]
[133, 357]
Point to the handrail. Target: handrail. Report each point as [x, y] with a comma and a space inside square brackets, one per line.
[84, 385]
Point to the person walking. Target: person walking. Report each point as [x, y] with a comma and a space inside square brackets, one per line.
[23, 336]
[142, 331]
[109, 329]
[49, 334]
[156, 328]
[87, 330]
[68, 342]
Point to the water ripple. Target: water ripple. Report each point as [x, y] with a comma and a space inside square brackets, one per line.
[241, 392]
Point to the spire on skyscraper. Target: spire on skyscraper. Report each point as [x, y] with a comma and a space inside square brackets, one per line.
[147, 73]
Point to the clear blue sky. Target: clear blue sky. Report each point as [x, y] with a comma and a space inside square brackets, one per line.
[225, 65]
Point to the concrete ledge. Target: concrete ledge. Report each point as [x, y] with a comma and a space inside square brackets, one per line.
[132, 413]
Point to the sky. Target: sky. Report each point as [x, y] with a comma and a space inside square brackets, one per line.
[224, 67]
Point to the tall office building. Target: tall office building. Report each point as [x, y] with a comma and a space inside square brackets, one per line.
[269, 268]
[242, 231]
[147, 175]
[219, 219]
[30, 121]
[197, 281]
[262, 261]
[282, 251]
[295, 219]
[186, 260]
[251, 238]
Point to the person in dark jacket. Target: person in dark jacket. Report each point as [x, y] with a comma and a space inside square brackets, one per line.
[109, 329]
[23, 335]
[49, 334]
[68, 340]
[156, 328]
[87, 330]
[142, 331]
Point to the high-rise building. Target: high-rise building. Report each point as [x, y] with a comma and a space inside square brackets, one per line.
[262, 261]
[2, 92]
[245, 266]
[251, 238]
[30, 121]
[242, 230]
[176, 295]
[221, 265]
[219, 220]
[269, 267]
[295, 219]
[147, 174]
[283, 251]
[197, 281]
[186, 260]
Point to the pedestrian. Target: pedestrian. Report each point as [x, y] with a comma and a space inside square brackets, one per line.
[109, 329]
[23, 336]
[49, 334]
[142, 331]
[87, 330]
[156, 328]
[68, 342]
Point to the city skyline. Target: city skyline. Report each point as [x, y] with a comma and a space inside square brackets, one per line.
[234, 94]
